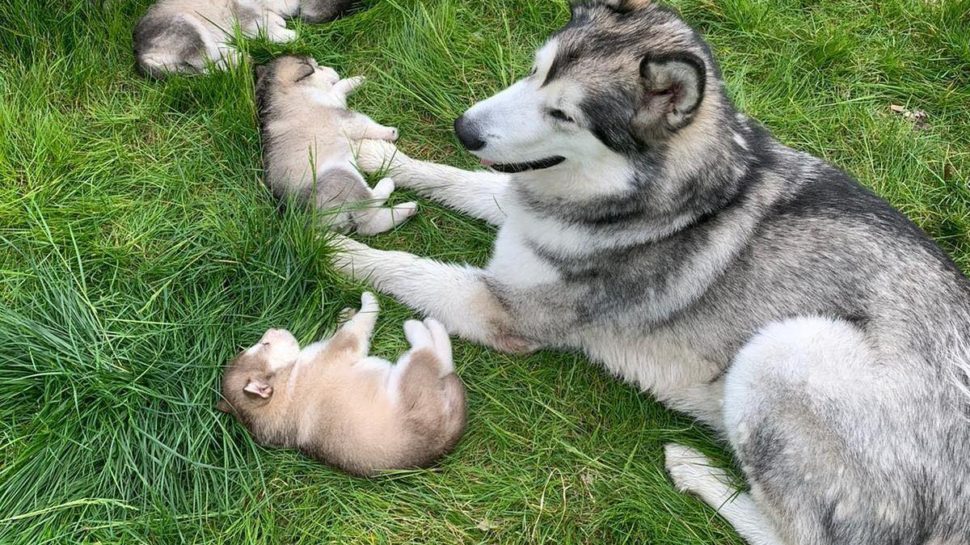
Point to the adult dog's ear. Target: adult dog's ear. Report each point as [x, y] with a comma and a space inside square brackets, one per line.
[672, 87]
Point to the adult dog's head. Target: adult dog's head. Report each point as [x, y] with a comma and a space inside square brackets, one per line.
[623, 91]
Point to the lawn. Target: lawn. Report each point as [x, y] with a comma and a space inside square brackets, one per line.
[139, 250]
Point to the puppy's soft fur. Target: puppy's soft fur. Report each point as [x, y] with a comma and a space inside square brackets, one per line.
[334, 403]
[318, 11]
[307, 133]
[184, 35]
[644, 220]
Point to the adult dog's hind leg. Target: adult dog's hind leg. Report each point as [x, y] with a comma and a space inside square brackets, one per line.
[479, 194]
[692, 472]
[818, 431]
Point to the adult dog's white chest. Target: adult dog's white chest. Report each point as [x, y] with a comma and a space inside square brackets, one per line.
[514, 263]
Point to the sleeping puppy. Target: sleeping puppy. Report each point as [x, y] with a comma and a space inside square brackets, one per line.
[319, 11]
[334, 403]
[183, 36]
[307, 132]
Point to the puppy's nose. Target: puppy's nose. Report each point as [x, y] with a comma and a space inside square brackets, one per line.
[467, 134]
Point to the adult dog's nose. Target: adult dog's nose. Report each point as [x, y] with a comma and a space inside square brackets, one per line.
[468, 134]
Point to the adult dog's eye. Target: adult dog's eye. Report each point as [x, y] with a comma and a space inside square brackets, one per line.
[560, 115]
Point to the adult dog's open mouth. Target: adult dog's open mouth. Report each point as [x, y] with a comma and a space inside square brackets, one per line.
[512, 168]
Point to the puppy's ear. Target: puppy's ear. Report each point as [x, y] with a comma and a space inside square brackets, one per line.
[223, 406]
[260, 71]
[672, 88]
[258, 388]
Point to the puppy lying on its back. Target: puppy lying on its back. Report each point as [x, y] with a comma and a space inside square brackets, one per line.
[307, 132]
[336, 404]
[182, 35]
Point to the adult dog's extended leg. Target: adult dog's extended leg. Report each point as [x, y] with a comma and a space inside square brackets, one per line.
[478, 194]
[458, 296]
[692, 472]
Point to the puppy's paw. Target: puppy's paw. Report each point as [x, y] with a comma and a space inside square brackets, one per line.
[346, 315]
[417, 334]
[281, 35]
[404, 211]
[383, 189]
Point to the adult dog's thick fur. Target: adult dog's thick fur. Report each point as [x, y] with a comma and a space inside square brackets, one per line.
[646, 222]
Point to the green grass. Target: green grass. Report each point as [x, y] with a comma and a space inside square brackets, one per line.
[139, 250]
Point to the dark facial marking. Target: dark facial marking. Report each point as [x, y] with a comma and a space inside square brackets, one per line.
[609, 114]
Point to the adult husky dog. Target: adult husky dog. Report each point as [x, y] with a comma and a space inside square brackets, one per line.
[646, 222]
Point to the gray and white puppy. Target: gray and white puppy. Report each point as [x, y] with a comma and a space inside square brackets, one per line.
[320, 11]
[646, 222]
[183, 36]
[335, 403]
[307, 133]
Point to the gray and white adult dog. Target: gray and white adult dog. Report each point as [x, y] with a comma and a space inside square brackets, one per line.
[646, 222]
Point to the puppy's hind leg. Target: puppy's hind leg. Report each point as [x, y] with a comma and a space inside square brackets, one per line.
[692, 472]
[429, 358]
[379, 219]
[424, 381]
[442, 345]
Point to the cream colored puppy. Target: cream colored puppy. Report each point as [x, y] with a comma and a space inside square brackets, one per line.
[335, 403]
[307, 134]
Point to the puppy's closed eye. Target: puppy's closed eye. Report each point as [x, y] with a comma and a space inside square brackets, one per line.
[306, 70]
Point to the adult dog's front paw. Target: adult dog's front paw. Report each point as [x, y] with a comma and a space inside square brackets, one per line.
[350, 257]
[378, 155]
